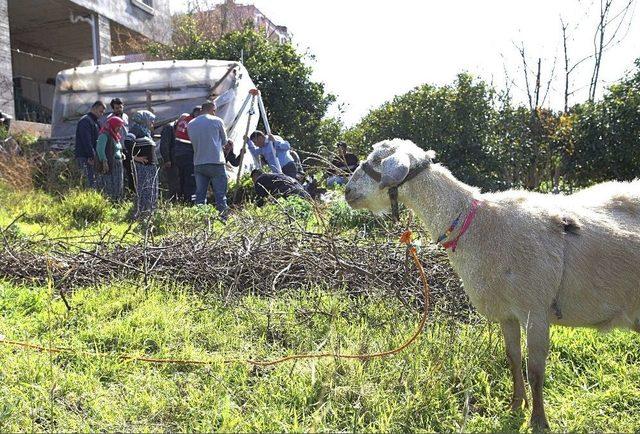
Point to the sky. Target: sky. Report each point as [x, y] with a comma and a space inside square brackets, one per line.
[367, 52]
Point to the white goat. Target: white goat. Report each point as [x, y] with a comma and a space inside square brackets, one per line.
[527, 259]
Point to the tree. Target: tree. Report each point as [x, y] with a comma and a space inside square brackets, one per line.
[457, 121]
[607, 134]
[295, 104]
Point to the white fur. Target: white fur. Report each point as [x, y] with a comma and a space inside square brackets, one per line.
[527, 259]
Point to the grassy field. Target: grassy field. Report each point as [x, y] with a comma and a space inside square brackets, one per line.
[454, 379]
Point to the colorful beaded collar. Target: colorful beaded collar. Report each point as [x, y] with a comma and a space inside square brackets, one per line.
[452, 244]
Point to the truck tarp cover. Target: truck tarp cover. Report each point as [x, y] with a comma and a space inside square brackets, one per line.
[170, 88]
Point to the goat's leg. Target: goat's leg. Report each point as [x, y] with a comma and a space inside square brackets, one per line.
[538, 348]
[511, 333]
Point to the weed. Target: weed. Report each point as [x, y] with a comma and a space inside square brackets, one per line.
[296, 208]
[343, 217]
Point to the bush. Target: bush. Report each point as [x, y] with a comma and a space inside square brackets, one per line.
[26, 140]
[297, 208]
[81, 208]
[16, 171]
[239, 193]
[57, 174]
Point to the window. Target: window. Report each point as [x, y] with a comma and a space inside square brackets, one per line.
[145, 5]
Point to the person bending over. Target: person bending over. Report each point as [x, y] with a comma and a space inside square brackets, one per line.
[275, 185]
[275, 150]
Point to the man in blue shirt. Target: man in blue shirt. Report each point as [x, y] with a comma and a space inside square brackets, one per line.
[275, 150]
[86, 137]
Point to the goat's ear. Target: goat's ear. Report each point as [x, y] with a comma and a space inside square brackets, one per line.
[394, 169]
[431, 154]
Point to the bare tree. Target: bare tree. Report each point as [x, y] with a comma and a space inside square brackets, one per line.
[606, 35]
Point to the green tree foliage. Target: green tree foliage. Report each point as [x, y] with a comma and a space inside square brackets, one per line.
[295, 104]
[458, 121]
[607, 134]
[490, 142]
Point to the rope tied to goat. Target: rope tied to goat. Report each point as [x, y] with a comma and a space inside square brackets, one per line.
[405, 238]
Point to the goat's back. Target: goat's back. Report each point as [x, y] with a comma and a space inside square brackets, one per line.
[595, 236]
[601, 279]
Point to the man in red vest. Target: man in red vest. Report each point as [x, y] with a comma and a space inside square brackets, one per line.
[177, 153]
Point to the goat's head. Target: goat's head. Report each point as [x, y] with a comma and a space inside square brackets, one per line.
[392, 160]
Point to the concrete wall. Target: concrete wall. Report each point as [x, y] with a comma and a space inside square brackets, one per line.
[40, 130]
[156, 26]
[6, 75]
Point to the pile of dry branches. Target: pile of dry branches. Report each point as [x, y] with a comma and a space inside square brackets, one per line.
[265, 260]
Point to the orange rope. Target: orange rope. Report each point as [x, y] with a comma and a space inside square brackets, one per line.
[405, 238]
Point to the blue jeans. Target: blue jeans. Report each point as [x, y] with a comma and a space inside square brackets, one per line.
[334, 180]
[216, 175]
[89, 172]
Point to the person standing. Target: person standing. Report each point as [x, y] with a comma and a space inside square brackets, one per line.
[117, 109]
[275, 150]
[86, 137]
[109, 159]
[143, 150]
[208, 137]
[177, 154]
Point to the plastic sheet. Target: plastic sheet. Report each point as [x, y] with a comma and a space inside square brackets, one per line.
[170, 88]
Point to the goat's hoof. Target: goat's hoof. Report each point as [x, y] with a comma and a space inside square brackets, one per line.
[539, 423]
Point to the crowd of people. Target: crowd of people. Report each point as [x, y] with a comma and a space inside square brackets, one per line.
[116, 154]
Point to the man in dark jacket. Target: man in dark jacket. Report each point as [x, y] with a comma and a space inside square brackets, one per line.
[275, 185]
[86, 137]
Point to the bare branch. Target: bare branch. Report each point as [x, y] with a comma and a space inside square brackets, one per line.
[526, 73]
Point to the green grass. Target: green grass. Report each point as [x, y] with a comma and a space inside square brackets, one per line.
[454, 379]
[76, 214]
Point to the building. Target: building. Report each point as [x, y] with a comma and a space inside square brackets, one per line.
[230, 16]
[38, 38]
